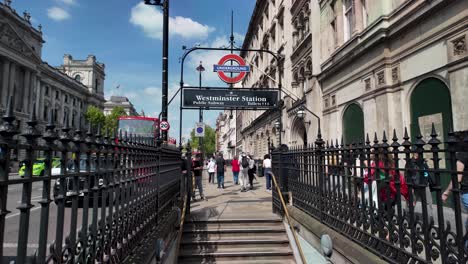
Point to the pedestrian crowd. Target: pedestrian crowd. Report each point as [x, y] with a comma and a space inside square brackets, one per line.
[244, 170]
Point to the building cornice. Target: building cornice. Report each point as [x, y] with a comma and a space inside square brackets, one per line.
[386, 27]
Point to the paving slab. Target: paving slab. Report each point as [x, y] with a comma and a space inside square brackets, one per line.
[231, 203]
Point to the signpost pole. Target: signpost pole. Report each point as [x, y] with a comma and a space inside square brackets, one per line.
[201, 69]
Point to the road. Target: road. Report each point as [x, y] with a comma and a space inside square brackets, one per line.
[12, 220]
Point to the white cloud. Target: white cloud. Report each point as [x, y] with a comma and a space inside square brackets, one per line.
[149, 18]
[152, 91]
[57, 13]
[68, 2]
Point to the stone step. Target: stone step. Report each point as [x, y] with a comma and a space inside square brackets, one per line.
[234, 246]
[286, 260]
[226, 234]
[281, 256]
[232, 225]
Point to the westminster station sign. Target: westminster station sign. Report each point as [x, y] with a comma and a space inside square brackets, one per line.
[229, 98]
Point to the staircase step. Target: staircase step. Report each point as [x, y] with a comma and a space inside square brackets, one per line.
[239, 220]
[232, 236]
[226, 228]
[258, 230]
[235, 242]
[215, 257]
[286, 260]
[232, 224]
[230, 246]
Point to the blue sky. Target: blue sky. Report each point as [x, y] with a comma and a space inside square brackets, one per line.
[126, 36]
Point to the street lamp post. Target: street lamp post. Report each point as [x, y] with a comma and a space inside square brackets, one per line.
[165, 6]
[301, 115]
[200, 69]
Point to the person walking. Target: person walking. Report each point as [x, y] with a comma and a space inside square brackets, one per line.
[197, 171]
[267, 171]
[245, 172]
[235, 169]
[251, 172]
[220, 169]
[422, 181]
[211, 170]
[462, 178]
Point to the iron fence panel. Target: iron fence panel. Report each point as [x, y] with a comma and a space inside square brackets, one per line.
[102, 197]
[386, 195]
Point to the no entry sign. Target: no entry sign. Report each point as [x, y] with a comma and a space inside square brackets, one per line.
[164, 125]
[241, 69]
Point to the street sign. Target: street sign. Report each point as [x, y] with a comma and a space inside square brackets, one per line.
[164, 126]
[240, 68]
[230, 98]
[200, 129]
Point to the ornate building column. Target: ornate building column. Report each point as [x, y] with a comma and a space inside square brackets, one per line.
[32, 92]
[27, 91]
[11, 79]
[39, 97]
[4, 85]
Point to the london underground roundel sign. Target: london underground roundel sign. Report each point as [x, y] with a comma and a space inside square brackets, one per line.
[224, 66]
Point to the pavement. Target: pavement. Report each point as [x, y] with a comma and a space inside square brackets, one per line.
[231, 203]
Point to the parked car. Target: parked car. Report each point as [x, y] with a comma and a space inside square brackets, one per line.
[38, 166]
[69, 181]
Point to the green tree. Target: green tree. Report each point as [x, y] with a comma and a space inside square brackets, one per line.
[112, 120]
[95, 116]
[209, 141]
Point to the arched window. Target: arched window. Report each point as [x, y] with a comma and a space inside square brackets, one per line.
[78, 78]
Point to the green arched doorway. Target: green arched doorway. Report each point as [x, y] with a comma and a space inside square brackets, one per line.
[431, 103]
[353, 124]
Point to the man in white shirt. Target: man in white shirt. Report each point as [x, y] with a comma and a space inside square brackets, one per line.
[267, 171]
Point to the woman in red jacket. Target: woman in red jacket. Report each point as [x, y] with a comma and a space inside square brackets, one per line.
[379, 167]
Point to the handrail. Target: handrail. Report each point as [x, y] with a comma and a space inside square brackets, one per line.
[289, 219]
[182, 220]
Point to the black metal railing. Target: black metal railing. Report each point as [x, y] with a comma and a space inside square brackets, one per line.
[100, 197]
[388, 196]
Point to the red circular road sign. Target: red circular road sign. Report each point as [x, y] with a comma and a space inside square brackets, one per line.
[231, 57]
[164, 125]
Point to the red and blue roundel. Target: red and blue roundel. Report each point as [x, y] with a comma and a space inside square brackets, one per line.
[221, 68]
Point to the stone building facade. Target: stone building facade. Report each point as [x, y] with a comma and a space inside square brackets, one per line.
[226, 134]
[361, 66]
[394, 64]
[119, 101]
[32, 82]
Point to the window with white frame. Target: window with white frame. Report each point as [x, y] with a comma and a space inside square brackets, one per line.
[348, 19]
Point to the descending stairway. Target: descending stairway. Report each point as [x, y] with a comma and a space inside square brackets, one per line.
[235, 241]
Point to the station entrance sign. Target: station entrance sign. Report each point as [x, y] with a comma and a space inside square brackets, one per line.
[215, 98]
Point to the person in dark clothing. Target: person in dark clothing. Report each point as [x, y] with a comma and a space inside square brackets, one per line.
[462, 170]
[197, 171]
[220, 169]
[418, 173]
[251, 171]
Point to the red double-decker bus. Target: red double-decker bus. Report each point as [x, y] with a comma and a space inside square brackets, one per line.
[141, 126]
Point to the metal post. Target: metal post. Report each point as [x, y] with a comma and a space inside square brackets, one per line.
[165, 64]
[201, 69]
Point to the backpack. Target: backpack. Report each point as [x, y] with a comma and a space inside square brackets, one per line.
[245, 162]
